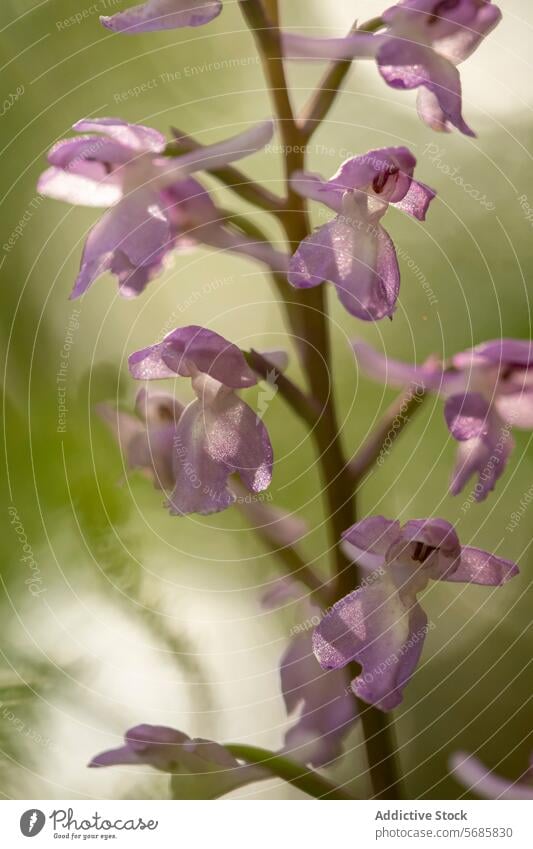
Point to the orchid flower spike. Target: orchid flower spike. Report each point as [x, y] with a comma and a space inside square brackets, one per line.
[153, 204]
[381, 625]
[353, 251]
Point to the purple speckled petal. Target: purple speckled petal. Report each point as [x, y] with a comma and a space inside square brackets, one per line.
[359, 258]
[327, 711]
[163, 14]
[406, 65]
[69, 154]
[474, 775]
[417, 200]
[381, 630]
[206, 350]
[136, 137]
[467, 415]
[479, 567]
[486, 455]
[217, 435]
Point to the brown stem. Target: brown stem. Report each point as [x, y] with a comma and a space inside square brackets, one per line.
[328, 88]
[387, 431]
[300, 403]
[232, 177]
[307, 318]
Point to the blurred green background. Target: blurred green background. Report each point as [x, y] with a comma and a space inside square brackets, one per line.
[144, 617]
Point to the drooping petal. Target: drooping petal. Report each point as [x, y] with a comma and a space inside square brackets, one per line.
[206, 350]
[137, 227]
[217, 435]
[200, 769]
[417, 200]
[359, 258]
[485, 454]
[476, 566]
[380, 629]
[163, 14]
[327, 710]
[406, 65]
[474, 775]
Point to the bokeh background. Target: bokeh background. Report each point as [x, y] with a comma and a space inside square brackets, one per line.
[144, 617]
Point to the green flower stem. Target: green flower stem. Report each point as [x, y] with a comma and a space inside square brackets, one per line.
[304, 779]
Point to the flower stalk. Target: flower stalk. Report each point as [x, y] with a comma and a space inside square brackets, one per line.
[308, 321]
[304, 779]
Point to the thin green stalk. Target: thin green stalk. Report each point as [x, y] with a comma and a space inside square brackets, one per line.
[304, 779]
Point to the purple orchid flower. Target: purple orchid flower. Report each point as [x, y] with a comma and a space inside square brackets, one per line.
[381, 625]
[326, 709]
[200, 769]
[153, 204]
[163, 14]
[216, 435]
[420, 46]
[147, 438]
[474, 775]
[354, 251]
[488, 389]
